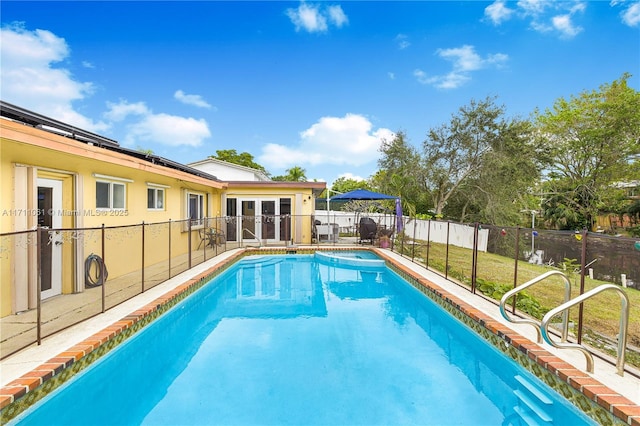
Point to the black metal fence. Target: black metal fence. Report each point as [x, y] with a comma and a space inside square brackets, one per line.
[56, 278]
[104, 266]
[490, 260]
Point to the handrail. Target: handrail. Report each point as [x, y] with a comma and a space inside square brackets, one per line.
[624, 322]
[536, 324]
[254, 236]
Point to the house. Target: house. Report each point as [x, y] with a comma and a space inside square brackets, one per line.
[95, 196]
[284, 210]
[228, 171]
[250, 193]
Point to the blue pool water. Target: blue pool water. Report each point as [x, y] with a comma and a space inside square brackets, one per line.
[295, 340]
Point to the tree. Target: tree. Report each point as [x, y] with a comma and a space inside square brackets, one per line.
[501, 187]
[294, 174]
[401, 173]
[455, 152]
[343, 184]
[243, 159]
[593, 141]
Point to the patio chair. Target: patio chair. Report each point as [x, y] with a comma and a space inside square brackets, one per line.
[367, 229]
[314, 231]
[211, 237]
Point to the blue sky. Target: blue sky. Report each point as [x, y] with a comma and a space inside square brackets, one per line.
[310, 84]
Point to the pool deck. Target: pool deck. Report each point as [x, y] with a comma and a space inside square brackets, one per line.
[32, 358]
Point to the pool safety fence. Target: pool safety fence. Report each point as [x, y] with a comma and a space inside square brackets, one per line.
[55, 278]
[588, 259]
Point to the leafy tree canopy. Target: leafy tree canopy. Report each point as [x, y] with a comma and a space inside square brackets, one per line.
[593, 142]
[294, 174]
[402, 173]
[344, 184]
[243, 159]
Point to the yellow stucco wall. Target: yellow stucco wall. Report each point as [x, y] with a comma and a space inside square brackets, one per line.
[76, 165]
[28, 154]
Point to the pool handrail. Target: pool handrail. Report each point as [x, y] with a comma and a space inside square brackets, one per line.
[254, 236]
[536, 324]
[622, 336]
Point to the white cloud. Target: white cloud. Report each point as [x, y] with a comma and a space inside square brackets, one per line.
[348, 140]
[351, 176]
[498, 12]
[544, 16]
[403, 41]
[28, 78]
[195, 100]
[315, 18]
[533, 7]
[168, 130]
[465, 60]
[391, 75]
[631, 16]
[308, 18]
[565, 26]
[120, 111]
[337, 16]
[143, 125]
[452, 80]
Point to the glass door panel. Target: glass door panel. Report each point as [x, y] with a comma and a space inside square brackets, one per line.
[268, 209]
[248, 212]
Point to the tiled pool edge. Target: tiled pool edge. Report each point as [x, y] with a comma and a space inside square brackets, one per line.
[598, 401]
[21, 393]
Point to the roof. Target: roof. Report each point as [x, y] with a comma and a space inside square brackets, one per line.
[259, 173]
[316, 187]
[16, 113]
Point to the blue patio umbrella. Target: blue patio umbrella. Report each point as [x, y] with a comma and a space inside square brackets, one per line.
[361, 194]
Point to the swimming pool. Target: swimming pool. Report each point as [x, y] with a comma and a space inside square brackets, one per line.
[291, 340]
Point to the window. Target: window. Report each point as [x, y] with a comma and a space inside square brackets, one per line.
[155, 198]
[110, 195]
[195, 208]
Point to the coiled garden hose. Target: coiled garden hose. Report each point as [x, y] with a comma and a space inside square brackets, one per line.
[101, 271]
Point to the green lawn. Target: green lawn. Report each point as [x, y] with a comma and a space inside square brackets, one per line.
[601, 314]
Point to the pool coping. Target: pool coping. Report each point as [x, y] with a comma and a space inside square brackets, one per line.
[598, 401]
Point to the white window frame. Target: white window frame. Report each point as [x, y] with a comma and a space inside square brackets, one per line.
[112, 180]
[111, 187]
[198, 222]
[157, 189]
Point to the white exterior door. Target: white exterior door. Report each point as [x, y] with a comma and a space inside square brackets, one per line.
[259, 220]
[50, 216]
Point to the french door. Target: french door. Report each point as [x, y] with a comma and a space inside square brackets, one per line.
[252, 220]
[50, 217]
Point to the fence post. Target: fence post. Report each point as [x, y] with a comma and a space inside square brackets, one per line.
[446, 258]
[39, 284]
[169, 248]
[474, 258]
[189, 241]
[583, 262]
[426, 260]
[143, 256]
[104, 262]
[206, 241]
[413, 246]
[515, 268]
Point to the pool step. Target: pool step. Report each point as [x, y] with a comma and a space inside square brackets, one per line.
[534, 404]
